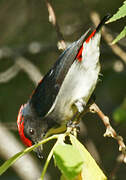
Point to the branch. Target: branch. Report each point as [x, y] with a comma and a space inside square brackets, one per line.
[52, 19]
[9, 73]
[110, 132]
[114, 171]
[24, 64]
[31, 48]
[31, 70]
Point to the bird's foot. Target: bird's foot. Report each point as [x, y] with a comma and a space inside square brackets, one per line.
[73, 128]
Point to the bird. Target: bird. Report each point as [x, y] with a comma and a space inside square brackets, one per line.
[64, 91]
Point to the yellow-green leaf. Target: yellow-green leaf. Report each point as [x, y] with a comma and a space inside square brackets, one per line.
[91, 170]
[119, 115]
[119, 14]
[68, 160]
[120, 36]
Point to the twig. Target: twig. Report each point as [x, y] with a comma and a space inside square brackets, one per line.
[31, 48]
[108, 37]
[9, 73]
[24, 64]
[52, 19]
[110, 132]
[31, 70]
[114, 171]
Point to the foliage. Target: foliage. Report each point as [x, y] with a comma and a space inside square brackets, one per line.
[72, 159]
[119, 114]
[13, 159]
[68, 160]
[118, 15]
[120, 36]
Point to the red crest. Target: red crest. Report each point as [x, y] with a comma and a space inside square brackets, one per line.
[20, 124]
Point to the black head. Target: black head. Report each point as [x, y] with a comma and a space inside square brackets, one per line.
[31, 128]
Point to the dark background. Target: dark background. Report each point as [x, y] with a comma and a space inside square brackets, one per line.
[26, 21]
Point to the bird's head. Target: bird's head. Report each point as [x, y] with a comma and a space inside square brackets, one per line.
[30, 129]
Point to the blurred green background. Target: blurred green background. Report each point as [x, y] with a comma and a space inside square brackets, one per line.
[24, 26]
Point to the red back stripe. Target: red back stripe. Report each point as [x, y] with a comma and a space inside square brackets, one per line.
[79, 55]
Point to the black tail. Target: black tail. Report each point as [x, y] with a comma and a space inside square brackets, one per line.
[106, 18]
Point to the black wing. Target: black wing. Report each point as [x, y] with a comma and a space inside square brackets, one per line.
[47, 90]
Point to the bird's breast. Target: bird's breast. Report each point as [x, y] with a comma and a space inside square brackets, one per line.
[79, 82]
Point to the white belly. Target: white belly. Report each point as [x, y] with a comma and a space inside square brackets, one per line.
[79, 82]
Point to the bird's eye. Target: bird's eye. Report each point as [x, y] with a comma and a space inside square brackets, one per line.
[44, 133]
[31, 131]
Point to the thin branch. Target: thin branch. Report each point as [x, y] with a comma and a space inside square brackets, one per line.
[110, 132]
[52, 19]
[24, 64]
[31, 48]
[117, 165]
[31, 70]
[9, 73]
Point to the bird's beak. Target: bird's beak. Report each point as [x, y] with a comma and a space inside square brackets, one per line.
[39, 151]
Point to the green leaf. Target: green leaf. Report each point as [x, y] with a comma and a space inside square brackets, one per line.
[13, 159]
[120, 36]
[119, 115]
[68, 160]
[90, 169]
[120, 13]
[9, 162]
[75, 161]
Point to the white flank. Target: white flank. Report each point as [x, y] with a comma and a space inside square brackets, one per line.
[80, 80]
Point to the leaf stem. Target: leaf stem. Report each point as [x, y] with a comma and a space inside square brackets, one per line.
[14, 158]
[60, 139]
[47, 162]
